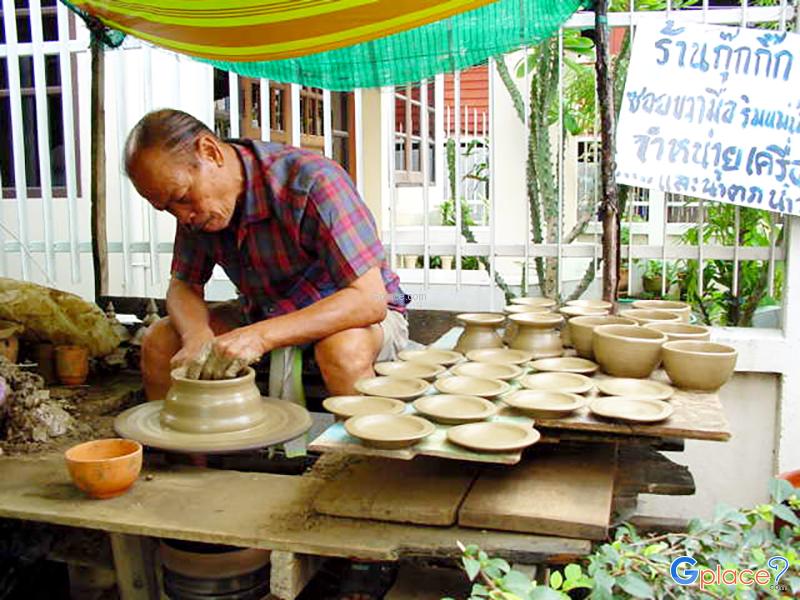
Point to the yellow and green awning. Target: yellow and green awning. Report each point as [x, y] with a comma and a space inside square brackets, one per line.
[336, 44]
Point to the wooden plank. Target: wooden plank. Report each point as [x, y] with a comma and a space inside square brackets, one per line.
[134, 565]
[423, 491]
[290, 573]
[249, 510]
[697, 415]
[567, 492]
[644, 470]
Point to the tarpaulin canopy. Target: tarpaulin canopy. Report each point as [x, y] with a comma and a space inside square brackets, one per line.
[336, 44]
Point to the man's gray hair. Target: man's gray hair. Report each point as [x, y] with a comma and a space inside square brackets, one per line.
[173, 130]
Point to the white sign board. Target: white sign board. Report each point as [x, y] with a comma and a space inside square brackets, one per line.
[713, 112]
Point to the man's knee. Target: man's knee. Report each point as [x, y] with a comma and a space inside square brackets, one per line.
[352, 351]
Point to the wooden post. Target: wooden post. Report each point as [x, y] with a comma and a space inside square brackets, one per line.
[609, 203]
[98, 172]
[135, 566]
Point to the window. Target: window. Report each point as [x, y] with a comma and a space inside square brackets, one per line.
[408, 133]
[31, 126]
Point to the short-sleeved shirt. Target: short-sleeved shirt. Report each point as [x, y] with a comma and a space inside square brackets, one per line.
[300, 233]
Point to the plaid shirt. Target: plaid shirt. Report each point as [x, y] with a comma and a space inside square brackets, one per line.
[300, 234]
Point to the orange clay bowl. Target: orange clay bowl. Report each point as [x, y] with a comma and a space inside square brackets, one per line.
[104, 468]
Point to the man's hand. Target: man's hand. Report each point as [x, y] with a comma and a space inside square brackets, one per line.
[193, 348]
[224, 357]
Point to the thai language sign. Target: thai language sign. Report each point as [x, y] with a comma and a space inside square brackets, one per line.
[713, 112]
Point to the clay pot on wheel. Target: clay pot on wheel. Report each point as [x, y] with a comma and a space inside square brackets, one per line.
[480, 331]
[72, 364]
[538, 334]
[213, 406]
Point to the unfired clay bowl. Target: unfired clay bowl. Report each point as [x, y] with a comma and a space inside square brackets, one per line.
[592, 303]
[534, 301]
[493, 436]
[471, 386]
[500, 356]
[647, 389]
[515, 309]
[213, 406]
[480, 331]
[393, 387]
[696, 365]
[431, 356]
[537, 334]
[389, 431]
[627, 350]
[404, 369]
[580, 330]
[644, 316]
[570, 383]
[488, 370]
[566, 364]
[454, 409]
[345, 407]
[682, 331]
[635, 410]
[682, 309]
[571, 312]
[544, 404]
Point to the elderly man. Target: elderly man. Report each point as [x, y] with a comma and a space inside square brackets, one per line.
[292, 234]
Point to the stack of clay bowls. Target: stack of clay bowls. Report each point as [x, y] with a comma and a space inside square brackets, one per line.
[538, 334]
[480, 331]
[581, 308]
[682, 309]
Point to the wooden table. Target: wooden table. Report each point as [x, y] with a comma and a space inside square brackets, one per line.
[276, 511]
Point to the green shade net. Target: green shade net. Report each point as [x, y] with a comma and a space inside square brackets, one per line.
[455, 43]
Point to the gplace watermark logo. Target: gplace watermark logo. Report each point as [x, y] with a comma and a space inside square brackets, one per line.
[683, 572]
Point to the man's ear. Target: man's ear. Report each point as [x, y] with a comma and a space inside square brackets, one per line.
[208, 148]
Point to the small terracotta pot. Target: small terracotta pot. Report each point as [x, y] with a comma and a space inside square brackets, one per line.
[72, 364]
[480, 331]
[44, 356]
[9, 340]
[627, 350]
[104, 468]
[538, 334]
[695, 365]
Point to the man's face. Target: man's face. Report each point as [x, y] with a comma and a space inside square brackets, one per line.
[201, 193]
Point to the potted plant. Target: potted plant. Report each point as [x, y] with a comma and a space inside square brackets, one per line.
[641, 566]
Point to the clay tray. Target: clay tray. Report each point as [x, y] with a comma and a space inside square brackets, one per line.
[336, 439]
[697, 415]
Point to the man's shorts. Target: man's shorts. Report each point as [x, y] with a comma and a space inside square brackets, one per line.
[394, 327]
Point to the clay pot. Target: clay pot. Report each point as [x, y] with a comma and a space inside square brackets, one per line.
[480, 331]
[682, 331]
[627, 350]
[515, 309]
[538, 334]
[682, 309]
[591, 303]
[697, 365]
[534, 301]
[104, 468]
[580, 331]
[644, 316]
[213, 406]
[72, 364]
[571, 311]
[9, 340]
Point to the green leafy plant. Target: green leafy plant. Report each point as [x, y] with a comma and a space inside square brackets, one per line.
[638, 566]
[718, 303]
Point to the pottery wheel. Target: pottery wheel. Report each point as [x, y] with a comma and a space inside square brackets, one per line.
[284, 421]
